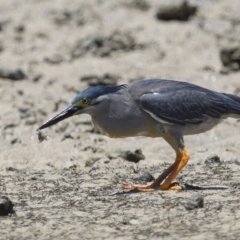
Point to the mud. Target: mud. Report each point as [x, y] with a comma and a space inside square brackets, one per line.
[69, 185]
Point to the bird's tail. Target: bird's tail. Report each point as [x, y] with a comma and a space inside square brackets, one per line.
[233, 97]
[235, 103]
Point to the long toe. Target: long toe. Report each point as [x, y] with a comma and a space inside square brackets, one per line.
[152, 188]
[128, 187]
[140, 188]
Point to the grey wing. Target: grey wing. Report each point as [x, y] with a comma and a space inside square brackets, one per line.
[186, 106]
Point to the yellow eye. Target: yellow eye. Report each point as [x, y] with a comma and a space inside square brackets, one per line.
[86, 101]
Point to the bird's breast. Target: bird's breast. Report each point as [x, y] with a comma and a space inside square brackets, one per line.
[122, 117]
[133, 126]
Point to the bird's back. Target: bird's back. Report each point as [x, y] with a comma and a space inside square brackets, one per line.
[162, 86]
[183, 103]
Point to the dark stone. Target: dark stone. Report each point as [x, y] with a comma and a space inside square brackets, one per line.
[145, 177]
[17, 74]
[6, 206]
[11, 169]
[91, 161]
[67, 136]
[194, 202]
[212, 159]
[176, 10]
[135, 156]
[231, 58]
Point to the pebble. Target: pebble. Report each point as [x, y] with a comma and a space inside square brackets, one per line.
[16, 74]
[195, 201]
[135, 156]
[212, 159]
[145, 177]
[6, 206]
[176, 10]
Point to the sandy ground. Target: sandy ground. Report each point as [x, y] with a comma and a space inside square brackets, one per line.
[68, 187]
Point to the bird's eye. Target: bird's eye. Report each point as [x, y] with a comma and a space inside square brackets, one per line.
[86, 101]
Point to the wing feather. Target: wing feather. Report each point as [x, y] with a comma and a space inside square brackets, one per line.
[185, 106]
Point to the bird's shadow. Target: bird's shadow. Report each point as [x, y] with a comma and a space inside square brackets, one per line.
[189, 187]
[186, 187]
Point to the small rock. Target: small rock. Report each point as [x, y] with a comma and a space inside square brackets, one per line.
[218, 206]
[135, 156]
[195, 201]
[125, 221]
[111, 156]
[17, 74]
[91, 161]
[134, 222]
[11, 169]
[105, 80]
[6, 206]
[230, 57]
[54, 59]
[67, 136]
[212, 159]
[37, 77]
[20, 92]
[31, 120]
[106, 161]
[176, 10]
[145, 177]
[15, 140]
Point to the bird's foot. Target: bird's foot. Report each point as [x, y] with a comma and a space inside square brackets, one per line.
[173, 186]
[152, 187]
[140, 188]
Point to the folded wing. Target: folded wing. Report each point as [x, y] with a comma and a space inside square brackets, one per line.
[186, 106]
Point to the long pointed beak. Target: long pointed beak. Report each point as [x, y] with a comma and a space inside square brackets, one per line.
[66, 113]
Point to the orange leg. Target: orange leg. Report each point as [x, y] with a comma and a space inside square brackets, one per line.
[182, 160]
[170, 174]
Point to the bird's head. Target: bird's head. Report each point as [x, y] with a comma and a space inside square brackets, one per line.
[89, 101]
